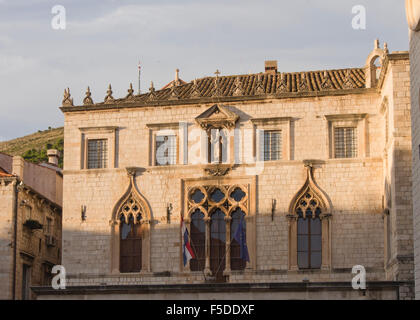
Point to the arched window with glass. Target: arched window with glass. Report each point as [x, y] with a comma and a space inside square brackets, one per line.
[310, 213]
[237, 260]
[309, 235]
[218, 229]
[198, 241]
[130, 244]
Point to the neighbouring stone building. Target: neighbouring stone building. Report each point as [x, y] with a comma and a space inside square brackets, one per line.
[315, 166]
[413, 19]
[30, 224]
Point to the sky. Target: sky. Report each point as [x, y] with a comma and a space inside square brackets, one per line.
[104, 40]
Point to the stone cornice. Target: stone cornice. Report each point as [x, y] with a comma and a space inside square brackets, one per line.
[99, 129]
[208, 100]
[216, 287]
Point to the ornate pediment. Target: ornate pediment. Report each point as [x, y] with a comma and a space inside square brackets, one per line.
[217, 117]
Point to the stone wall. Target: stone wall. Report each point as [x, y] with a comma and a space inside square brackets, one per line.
[415, 113]
[7, 187]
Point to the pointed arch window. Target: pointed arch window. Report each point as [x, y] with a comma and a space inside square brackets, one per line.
[309, 227]
[130, 231]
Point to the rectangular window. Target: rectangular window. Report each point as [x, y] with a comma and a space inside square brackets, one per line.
[97, 153]
[272, 145]
[345, 142]
[49, 226]
[165, 150]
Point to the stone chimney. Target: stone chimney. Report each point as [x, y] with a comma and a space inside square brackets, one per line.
[53, 156]
[271, 66]
[17, 166]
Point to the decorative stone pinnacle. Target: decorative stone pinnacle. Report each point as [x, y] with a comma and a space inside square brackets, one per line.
[152, 88]
[130, 91]
[67, 100]
[109, 97]
[377, 44]
[88, 100]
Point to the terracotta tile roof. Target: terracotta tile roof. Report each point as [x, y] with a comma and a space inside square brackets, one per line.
[261, 84]
[250, 85]
[3, 173]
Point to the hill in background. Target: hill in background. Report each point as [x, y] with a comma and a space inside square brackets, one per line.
[34, 147]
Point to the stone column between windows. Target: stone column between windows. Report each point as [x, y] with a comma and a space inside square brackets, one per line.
[207, 270]
[227, 270]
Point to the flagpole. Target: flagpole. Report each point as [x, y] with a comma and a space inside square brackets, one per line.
[139, 76]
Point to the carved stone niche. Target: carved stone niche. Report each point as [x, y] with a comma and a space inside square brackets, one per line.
[217, 117]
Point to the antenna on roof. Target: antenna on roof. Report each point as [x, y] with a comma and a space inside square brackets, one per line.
[139, 67]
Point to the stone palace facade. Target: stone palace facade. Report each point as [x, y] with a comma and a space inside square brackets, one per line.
[316, 166]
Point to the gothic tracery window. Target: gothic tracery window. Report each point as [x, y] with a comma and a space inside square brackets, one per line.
[309, 227]
[224, 207]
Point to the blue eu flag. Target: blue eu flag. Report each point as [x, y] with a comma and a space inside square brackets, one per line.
[240, 236]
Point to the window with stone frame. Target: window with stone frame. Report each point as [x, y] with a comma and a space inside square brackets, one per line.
[166, 150]
[309, 227]
[97, 153]
[272, 145]
[345, 142]
[225, 207]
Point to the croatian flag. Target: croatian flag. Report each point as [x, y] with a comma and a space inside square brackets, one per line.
[187, 252]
